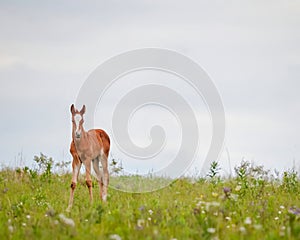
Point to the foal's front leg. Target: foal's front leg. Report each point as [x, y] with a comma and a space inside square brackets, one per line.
[76, 165]
[89, 183]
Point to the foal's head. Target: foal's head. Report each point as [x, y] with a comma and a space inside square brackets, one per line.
[77, 120]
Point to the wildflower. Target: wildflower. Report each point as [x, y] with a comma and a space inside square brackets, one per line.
[276, 218]
[281, 207]
[115, 237]
[242, 229]
[211, 230]
[214, 194]
[294, 210]
[228, 218]
[234, 197]
[248, 221]
[10, 228]
[150, 212]
[142, 208]
[227, 191]
[200, 203]
[24, 224]
[238, 188]
[28, 216]
[140, 223]
[279, 212]
[67, 221]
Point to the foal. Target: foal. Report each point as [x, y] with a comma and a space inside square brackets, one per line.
[88, 148]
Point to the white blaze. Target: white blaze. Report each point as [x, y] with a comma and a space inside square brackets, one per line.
[77, 119]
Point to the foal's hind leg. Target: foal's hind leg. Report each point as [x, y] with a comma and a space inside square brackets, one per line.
[105, 175]
[99, 175]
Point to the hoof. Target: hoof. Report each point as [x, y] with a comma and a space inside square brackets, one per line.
[104, 198]
[68, 209]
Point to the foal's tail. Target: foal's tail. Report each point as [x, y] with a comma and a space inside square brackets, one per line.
[105, 140]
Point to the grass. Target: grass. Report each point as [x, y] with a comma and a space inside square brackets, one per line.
[253, 205]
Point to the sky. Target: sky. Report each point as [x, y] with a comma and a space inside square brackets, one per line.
[250, 50]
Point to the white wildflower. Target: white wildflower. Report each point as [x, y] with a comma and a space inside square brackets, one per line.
[234, 197]
[211, 230]
[115, 237]
[242, 229]
[248, 221]
[276, 218]
[28, 216]
[10, 228]
[281, 207]
[140, 223]
[150, 212]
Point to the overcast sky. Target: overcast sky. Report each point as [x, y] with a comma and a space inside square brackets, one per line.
[250, 49]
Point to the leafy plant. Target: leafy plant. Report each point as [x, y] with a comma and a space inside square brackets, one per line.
[45, 165]
[213, 172]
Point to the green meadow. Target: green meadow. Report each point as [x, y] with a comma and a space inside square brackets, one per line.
[252, 204]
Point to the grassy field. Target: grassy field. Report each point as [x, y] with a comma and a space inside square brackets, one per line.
[251, 205]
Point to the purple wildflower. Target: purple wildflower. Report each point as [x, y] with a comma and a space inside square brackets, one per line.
[227, 191]
[294, 210]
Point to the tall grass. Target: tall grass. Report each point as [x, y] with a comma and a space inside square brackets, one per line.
[252, 205]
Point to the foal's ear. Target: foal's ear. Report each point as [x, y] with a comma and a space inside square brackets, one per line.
[72, 109]
[82, 111]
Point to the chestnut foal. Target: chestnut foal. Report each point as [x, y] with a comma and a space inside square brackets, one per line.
[89, 148]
